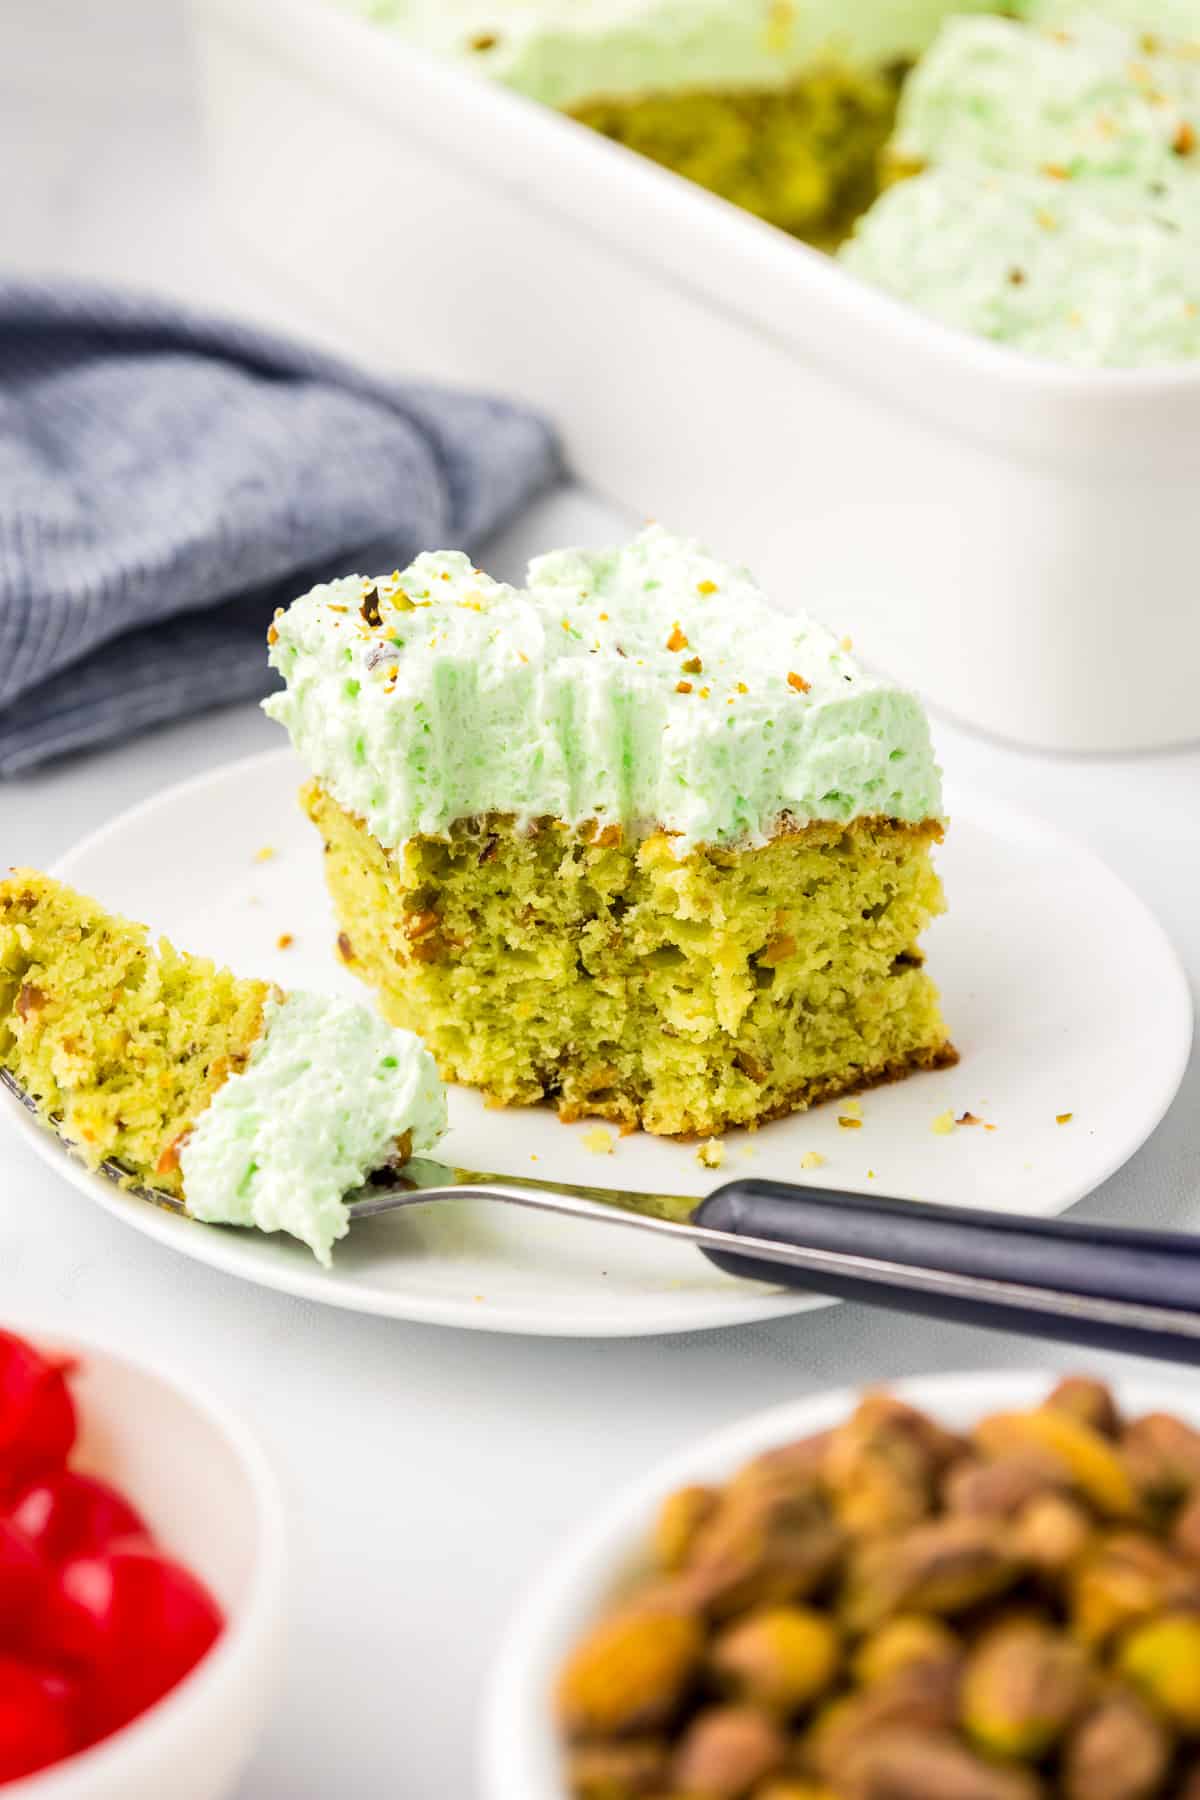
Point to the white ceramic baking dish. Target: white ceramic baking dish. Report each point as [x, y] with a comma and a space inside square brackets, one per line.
[1016, 539]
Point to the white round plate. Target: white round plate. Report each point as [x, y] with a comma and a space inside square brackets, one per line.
[1061, 991]
[519, 1753]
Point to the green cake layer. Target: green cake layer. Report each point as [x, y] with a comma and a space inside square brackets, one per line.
[121, 1041]
[612, 978]
[804, 157]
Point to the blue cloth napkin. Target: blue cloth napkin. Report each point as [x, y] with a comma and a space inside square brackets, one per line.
[167, 479]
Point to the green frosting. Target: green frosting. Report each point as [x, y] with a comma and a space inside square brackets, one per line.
[1060, 209]
[1086, 99]
[328, 1089]
[643, 687]
[563, 52]
[1029, 262]
[1176, 19]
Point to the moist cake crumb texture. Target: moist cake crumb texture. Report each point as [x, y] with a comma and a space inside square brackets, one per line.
[685, 997]
[122, 1041]
[628, 839]
[804, 157]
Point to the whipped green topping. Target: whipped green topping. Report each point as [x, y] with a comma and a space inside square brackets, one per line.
[1173, 19]
[563, 52]
[1088, 99]
[327, 1091]
[1060, 209]
[1029, 262]
[648, 686]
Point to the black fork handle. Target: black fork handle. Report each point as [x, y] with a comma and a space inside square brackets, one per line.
[1095, 1285]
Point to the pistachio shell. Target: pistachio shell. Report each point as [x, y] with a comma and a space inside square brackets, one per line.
[630, 1672]
[1022, 1687]
[1093, 1463]
[781, 1659]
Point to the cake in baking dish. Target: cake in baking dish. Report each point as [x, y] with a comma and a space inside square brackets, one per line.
[252, 1106]
[627, 839]
[1052, 146]
[1056, 207]
[781, 106]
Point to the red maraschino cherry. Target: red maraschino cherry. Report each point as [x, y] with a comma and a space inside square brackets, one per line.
[133, 1621]
[96, 1623]
[37, 1726]
[37, 1414]
[24, 1583]
[67, 1514]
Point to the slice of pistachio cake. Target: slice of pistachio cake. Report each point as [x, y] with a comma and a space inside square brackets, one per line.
[252, 1106]
[627, 838]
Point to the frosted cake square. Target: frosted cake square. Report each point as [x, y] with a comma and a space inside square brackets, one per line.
[626, 839]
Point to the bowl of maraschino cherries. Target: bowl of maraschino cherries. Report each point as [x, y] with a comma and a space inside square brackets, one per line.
[141, 1580]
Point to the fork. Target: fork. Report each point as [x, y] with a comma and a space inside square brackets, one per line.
[1096, 1285]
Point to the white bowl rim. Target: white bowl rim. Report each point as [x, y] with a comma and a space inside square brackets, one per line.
[516, 1735]
[244, 1630]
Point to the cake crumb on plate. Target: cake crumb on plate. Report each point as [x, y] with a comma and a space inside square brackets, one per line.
[598, 1142]
[711, 1154]
[812, 1159]
[943, 1125]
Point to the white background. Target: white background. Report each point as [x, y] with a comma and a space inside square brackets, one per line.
[428, 1472]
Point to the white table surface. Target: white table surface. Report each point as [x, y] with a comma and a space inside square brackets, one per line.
[427, 1471]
